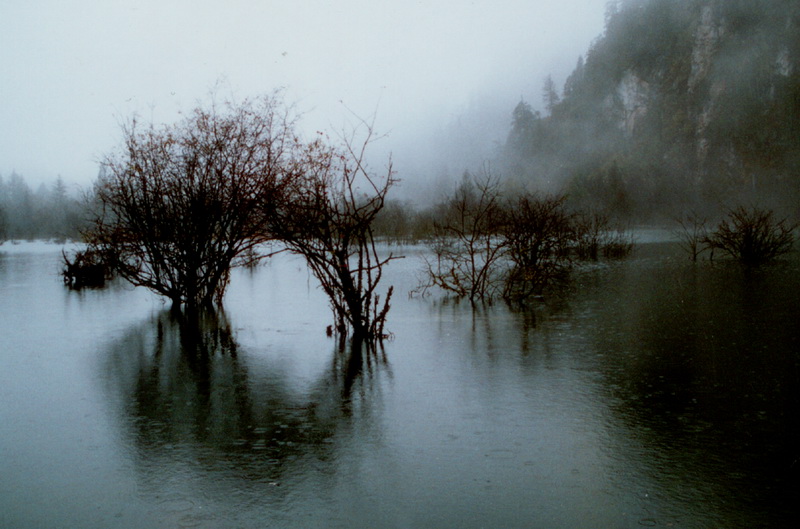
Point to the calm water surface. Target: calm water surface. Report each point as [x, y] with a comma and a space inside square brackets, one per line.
[653, 392]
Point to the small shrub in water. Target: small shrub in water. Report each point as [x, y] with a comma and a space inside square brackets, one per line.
[752, 236]
[595, 236]
[89, 268]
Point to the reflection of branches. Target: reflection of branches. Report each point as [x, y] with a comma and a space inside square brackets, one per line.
[357, 363]
[183, 379]
[204, 333]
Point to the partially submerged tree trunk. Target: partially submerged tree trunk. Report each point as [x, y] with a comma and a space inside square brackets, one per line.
[328, 219]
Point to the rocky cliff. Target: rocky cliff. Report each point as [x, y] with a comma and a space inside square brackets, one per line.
[678, 101]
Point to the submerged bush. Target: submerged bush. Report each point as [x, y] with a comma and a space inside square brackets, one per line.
[692, 234]
[181, 204]
[486, 247]
[595, 236]
[752, 236]
[468, 244]
[328, 219]
[89, 268]
[538, 234]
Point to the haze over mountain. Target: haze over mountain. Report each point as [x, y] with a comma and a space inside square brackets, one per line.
[675, 104]
[680, 104]
[72, 70]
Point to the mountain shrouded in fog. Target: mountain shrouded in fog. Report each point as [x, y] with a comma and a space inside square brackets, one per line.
[680, 103]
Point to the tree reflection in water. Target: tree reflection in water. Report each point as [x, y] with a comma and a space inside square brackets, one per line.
[189, 398]
[702, 368]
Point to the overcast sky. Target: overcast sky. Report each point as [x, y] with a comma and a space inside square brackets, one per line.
[72, 70]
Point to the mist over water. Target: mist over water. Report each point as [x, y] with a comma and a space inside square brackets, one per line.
[651, 392]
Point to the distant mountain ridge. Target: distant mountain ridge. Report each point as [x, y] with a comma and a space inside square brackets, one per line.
[679, 103]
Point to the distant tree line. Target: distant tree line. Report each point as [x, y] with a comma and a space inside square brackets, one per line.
[50, 212]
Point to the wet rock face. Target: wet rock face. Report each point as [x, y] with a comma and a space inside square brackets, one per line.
[635, 94]
[704, 92]
[707, 36]
[706, 43]
[783, 62]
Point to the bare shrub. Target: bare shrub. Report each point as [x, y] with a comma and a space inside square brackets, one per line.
[179, 205]
[752, 235]
[693, 234]
[328, 219]
[468, 242]
[538, 234]
[618, 245]
[484, 247]
[596, 236]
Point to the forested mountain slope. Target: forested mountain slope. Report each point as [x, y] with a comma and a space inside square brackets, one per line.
[679, 104]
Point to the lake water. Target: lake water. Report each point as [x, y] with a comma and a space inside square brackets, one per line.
[652, 392]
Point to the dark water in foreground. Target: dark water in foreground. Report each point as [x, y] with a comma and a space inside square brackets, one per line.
[653, 393]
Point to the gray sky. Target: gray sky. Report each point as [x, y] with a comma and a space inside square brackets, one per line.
[72, 70]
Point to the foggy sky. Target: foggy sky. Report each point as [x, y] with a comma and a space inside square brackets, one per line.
[71, 70]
